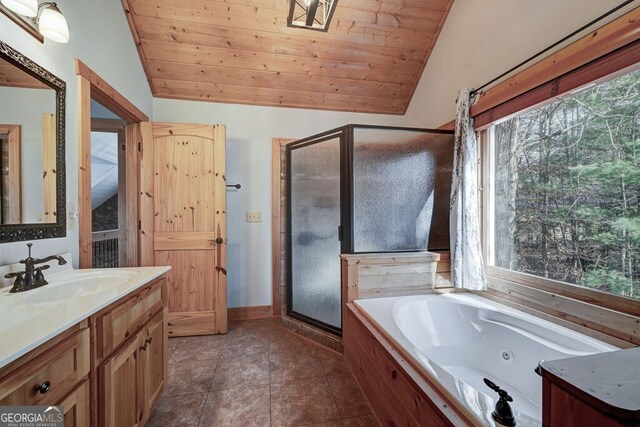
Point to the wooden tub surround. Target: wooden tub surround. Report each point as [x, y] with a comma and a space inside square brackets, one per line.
[398, 393]
[380, 275]
[599, 390]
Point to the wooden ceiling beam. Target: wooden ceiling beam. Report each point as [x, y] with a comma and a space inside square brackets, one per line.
[213, 92]
[205, 55]
[276, 80]
[207, 35]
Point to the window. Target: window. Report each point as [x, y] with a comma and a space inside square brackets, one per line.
[566, 188]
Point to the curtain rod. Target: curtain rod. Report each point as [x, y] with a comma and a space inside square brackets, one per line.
[545, 50]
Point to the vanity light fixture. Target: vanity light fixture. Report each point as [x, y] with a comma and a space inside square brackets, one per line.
[45, 18]
[311, 14]
[52, 23]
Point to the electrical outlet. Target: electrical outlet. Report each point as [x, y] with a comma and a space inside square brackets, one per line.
[254, 216]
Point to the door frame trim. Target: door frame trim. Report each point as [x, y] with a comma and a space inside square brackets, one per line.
[92, 86]
[276, 221]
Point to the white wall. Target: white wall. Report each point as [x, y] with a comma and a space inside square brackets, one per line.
[101, 38]
[249, 133]
[483, 38]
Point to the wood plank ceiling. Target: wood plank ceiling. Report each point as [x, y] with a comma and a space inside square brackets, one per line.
[241, 51]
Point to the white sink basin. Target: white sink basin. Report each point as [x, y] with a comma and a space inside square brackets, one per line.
[77, 284]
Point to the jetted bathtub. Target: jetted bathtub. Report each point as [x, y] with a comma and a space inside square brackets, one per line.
[460, 338]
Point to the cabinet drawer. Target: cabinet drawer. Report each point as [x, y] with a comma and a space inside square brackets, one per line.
[115, 325]
[76, 407]
[62, 367]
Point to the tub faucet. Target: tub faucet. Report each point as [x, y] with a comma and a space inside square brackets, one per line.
[502, 414]
[32, 276]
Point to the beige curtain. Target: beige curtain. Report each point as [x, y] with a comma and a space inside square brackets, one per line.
[467, 266]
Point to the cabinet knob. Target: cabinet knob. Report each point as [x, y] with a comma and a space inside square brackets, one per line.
[43, 388]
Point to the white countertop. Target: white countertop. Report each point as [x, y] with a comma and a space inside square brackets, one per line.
[30, 318]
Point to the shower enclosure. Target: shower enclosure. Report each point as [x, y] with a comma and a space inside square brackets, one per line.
[360, 189]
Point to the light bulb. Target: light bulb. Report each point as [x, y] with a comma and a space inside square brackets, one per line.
[53, 25]
[22, 7]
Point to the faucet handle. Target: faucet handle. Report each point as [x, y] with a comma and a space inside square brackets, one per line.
[18, 284]
[14, 274]
[39, 276]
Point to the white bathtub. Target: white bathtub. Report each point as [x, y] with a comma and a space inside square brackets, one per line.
[458, 339]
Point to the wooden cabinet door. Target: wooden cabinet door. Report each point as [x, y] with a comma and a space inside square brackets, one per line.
[154, 361]
[120, 386]
[183, 221]
[76, 407]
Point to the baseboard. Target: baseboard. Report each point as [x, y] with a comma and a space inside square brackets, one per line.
[255, 312]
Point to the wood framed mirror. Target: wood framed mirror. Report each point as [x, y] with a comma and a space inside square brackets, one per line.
[32, 150]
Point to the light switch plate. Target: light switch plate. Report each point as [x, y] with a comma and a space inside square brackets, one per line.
[254, 216]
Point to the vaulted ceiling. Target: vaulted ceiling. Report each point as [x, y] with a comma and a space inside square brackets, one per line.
[241, 51]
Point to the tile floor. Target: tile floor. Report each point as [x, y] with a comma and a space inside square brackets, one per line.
[258, 374]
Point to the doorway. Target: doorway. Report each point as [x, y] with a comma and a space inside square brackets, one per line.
[108, 183]
[108, 102]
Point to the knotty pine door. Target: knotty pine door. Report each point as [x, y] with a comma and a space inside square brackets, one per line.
[183, 221]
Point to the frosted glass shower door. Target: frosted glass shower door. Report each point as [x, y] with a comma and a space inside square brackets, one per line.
[314, 245]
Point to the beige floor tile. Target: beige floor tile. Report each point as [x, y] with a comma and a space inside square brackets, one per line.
[241, 371]
[332, 363]
[177, 411]
[302, 402]
[288, 341]
[189, 377]
[253, 326]
[336, 423]
[237, 407]
[350, 400]
[365, 421]
[202, 348]
[244, 344]
[288, 366]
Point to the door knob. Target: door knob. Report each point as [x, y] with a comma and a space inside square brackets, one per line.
[219, 240]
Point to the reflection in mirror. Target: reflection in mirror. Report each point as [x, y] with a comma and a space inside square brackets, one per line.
[27, 148]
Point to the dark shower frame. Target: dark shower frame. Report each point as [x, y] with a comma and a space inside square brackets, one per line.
[345, 231]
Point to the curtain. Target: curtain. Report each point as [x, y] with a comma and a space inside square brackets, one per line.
[467, 266]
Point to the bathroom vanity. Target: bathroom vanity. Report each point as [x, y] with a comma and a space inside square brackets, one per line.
[93, 341]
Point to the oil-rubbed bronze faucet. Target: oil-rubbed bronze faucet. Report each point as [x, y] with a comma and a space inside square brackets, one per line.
[32, 276]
